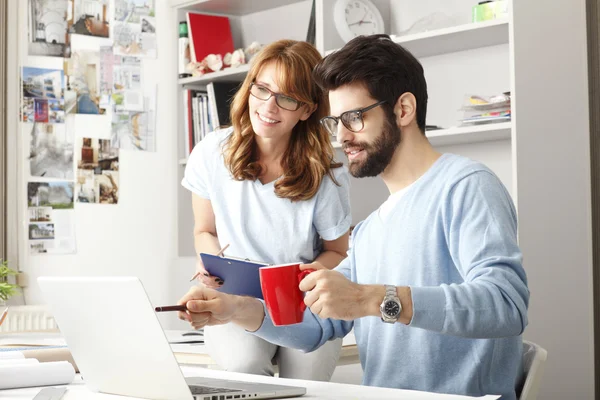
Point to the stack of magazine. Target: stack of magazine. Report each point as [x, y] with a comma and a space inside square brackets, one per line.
[486, 109]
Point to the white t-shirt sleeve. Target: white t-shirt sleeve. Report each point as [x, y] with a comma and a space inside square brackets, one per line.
[200, 166]
[332, 217]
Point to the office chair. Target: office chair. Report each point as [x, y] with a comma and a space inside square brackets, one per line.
[534, 357]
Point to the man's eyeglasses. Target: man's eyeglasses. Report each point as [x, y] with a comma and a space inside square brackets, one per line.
[283, 101]
[352, 120]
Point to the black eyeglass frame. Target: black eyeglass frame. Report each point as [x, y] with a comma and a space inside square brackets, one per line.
[276, 95]
[337, 120]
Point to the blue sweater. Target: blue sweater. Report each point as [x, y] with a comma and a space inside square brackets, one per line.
[452, 238]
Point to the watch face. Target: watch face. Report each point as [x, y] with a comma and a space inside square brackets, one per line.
[391, 308]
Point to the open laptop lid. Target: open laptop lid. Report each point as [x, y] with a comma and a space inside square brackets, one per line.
[115, 337]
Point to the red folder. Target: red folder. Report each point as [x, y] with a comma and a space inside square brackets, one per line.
[209, 34]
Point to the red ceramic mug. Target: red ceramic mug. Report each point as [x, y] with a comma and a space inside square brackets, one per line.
[283, 297]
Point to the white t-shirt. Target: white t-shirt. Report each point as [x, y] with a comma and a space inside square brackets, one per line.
[255, 222]
[388, 206]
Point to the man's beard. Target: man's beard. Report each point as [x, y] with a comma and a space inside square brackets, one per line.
[378, 154]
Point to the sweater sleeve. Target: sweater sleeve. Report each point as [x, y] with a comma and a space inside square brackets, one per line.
[480, 225]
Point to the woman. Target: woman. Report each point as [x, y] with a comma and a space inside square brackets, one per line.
[269, 188]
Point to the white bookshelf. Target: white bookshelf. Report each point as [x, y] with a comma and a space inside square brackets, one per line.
[458, 38]
[228, 7]
[228, 74]
[470, 134]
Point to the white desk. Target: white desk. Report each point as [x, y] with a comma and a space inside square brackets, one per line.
[314, 390]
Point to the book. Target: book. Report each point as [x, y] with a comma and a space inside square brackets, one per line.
[220, 95]
[240, 276]
[209, 34]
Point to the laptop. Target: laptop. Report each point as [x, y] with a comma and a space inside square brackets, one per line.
[120, 348]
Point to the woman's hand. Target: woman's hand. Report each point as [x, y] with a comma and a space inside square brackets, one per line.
[313, 265]
[208, 280]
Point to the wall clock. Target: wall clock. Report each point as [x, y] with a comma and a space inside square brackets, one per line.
[357, 17]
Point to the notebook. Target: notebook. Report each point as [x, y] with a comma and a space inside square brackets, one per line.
[240, 276]
[120, 348]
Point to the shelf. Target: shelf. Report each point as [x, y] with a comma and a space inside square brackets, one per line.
[228, 7]
[470, 134]
[228, 74]
[457, 38]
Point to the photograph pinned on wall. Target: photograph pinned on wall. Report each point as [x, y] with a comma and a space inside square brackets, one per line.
[56, 111]
[127, 84]
[40, 110]
[136, 130]
[51, 150]
[57, 194]
[106, 75]
[51, 217]
[82, 78]
[43, 84]
[28, 110]
[41, 231]
[90, 17]
[97, 171]
[132, 11]
[134, 29]
[48, 28]
[40, 214]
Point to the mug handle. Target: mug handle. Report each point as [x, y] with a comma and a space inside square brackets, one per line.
[302, 275]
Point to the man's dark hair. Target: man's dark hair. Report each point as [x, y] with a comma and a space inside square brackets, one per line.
[386, 68]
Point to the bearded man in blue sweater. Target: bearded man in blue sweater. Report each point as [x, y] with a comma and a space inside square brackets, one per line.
[433, 284]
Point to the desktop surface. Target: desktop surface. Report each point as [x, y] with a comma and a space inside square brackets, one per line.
[315, 389]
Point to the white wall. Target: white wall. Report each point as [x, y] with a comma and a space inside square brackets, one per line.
[553, 180]
[137, 236]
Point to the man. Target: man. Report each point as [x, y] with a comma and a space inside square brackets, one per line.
[433, 284]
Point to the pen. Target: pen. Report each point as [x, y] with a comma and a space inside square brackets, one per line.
[3, 317]
[170, 308]
[218, 254]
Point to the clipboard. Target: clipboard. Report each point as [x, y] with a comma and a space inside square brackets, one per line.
[240, 276]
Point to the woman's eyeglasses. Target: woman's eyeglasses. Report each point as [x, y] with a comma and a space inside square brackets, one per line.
[352, 120]
[283, 101]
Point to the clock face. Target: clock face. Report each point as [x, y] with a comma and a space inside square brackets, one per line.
[357, 17]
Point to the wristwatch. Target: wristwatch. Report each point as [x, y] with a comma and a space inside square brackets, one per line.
[390, 306]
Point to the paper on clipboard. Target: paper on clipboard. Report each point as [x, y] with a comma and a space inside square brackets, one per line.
[240, 276]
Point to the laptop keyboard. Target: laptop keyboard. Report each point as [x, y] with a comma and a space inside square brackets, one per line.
[210, 390]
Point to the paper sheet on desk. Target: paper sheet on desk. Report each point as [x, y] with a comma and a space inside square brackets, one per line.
[38, 374]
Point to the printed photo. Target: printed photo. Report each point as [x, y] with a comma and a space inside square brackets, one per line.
[51, 151]
[40, 108]
[82, 78]
[132, 11]
[57, 195]
[56, 111]
[129, 40]
[86, 188]
[108, 183]
[90, 17]
[39, 247]
[40, 214]
[97, 171]
[48, 33]
[97, 155]
[41, 83]
[41, 231]
[27, 110]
